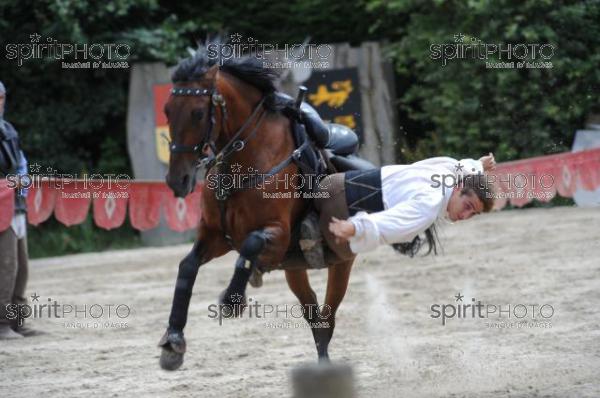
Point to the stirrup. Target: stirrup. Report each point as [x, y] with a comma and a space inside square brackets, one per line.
[311, 241]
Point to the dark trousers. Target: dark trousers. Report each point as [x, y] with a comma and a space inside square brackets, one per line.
[344, 194]
[13, 271]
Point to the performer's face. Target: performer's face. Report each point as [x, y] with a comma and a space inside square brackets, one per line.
[463, 205]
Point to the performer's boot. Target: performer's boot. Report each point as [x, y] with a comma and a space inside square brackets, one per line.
[6, 333]
[311, 241]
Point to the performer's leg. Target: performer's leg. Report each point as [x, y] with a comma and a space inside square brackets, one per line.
[334, 206]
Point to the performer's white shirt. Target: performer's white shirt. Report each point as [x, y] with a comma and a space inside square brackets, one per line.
[414, 197]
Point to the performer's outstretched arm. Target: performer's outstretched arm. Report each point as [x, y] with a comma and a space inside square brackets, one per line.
[400, 223]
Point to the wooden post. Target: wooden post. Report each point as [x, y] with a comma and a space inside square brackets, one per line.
[141, 142]
[377, 96]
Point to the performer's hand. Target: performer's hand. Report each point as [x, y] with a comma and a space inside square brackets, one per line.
[342, 229]
[488, 162]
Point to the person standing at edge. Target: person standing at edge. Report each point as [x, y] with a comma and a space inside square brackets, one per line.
[13, 241]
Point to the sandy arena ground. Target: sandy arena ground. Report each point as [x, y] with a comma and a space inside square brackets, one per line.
[384, 326]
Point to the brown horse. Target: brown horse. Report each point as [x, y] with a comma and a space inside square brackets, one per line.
[233, 111]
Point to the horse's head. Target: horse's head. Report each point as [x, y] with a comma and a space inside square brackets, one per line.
[198, 114]
[188, 112]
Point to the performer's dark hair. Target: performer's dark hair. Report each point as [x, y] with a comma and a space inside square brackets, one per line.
[481, 186]
[476, 183]
[412, 248]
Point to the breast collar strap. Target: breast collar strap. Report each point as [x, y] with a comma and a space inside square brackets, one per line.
[235, 143]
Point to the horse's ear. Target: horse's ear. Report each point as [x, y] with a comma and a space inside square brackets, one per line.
[211, 73]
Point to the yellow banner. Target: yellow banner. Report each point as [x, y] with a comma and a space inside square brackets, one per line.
[162, 145]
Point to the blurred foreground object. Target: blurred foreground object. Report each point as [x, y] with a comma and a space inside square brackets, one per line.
[323, 380]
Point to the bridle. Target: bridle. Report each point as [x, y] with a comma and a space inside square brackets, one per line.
[235, 144]
[195, 92]
[216, 99]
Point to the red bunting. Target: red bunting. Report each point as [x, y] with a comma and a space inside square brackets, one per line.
[541, 178]
[72, 204]
[145, 200]
[588, 171]
[110, 207]
[565, 178]
[517, 182]
[183, 214]
[7, 203]
[40, 203]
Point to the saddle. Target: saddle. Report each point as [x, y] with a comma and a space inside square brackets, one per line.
[334, 148]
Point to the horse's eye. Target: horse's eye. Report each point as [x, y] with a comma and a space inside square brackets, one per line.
[197, 114]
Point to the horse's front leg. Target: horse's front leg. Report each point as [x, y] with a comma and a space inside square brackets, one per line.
[264, 246]
[208, 246]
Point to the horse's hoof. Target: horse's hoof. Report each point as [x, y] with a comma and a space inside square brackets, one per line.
[173, 347]
[169, 359]
[232, 305]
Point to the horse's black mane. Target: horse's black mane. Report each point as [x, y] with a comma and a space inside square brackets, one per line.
[251, 71]
[248, 69]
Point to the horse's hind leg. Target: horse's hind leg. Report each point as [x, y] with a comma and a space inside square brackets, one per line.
[337, 283]
[299, 284]
[173, 343]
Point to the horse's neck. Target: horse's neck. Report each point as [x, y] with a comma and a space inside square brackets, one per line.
[241, 99]
[266, 144]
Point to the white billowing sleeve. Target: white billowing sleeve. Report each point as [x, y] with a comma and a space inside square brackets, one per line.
[453, 166]
[400, 223]
[471, 166]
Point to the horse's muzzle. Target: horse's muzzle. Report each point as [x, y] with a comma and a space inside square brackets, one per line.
[181, 185]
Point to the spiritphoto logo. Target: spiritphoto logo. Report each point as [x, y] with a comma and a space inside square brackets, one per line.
[239, 178]
[74, 316]
[273, 55]
[532, 185]
[256, 310]
[496, 315]
[495, 55]
[78, 55]
[87, 183]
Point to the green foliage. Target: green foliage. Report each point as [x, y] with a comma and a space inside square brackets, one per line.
[279, 22]
[464, 109]
[74, 120]
[67, 116]
[54, 239]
